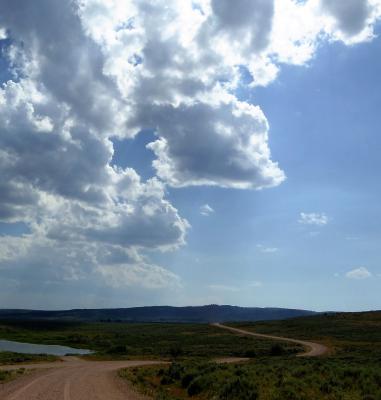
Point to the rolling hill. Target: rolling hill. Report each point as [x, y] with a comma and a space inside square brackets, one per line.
[198, 314]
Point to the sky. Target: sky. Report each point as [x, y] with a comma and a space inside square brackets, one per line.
[185, 152]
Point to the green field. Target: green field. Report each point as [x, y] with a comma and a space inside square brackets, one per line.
[352, 371]
[154, 341]
[350, 335]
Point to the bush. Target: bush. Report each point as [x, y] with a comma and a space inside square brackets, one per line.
[118, 349]
[175, 371]
[176, 351]
[166, 380]
[196, 387]
[239, 389]
[4, 375]
[250, 353]
[187, 379]
[277, 350]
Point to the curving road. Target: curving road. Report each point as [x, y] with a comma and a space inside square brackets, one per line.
[312, 349]
[73, 379]
[77, 379]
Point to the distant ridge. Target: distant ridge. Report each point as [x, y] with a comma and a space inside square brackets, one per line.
[196, 314]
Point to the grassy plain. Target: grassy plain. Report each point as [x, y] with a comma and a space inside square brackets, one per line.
[354, 336]
[128, 340]
[352, 371]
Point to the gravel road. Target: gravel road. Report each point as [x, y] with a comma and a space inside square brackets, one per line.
[76, 379]
[312, 349]
[73, 379]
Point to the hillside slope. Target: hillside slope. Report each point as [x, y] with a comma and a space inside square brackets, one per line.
[205, 314]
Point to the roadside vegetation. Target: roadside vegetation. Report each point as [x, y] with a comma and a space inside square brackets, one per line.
[352, 371]
[112, 340]
[8, 358]
[276, 378]
[8, 375]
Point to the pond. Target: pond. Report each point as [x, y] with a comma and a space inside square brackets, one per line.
[29, 348]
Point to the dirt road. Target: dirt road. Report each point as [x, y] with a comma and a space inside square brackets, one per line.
[73, 379]
[312, 349]
[76, 379]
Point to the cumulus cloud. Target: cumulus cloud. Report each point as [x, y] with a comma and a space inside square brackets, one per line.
[58, 116]
[317, 219]
[223, 144]
[352, 17]
[69, 261]
[359, 273]
[86, 72]
[206, 210]
[249, 19]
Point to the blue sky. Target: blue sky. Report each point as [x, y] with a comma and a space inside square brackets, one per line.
[324, 121]
[195, 228]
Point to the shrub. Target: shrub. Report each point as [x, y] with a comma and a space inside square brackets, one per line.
[196, 387]
[239, 389]
[175, 371]
[250, 353]
[187, 379]
[4, 375]
[176, 351]
[277, 350]
[118, 349]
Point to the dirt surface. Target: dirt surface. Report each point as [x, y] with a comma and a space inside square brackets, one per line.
[312, 349]
[72, 379]
[75, 379]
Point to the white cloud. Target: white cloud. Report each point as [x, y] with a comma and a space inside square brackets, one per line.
[318, 219]
[139, 275]
[223, 144]
[352, 20]
[85, 72]
[33, 257]
[206, 210]
[358, 273]
[57, 119]
[267, 249]
[3, 34]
